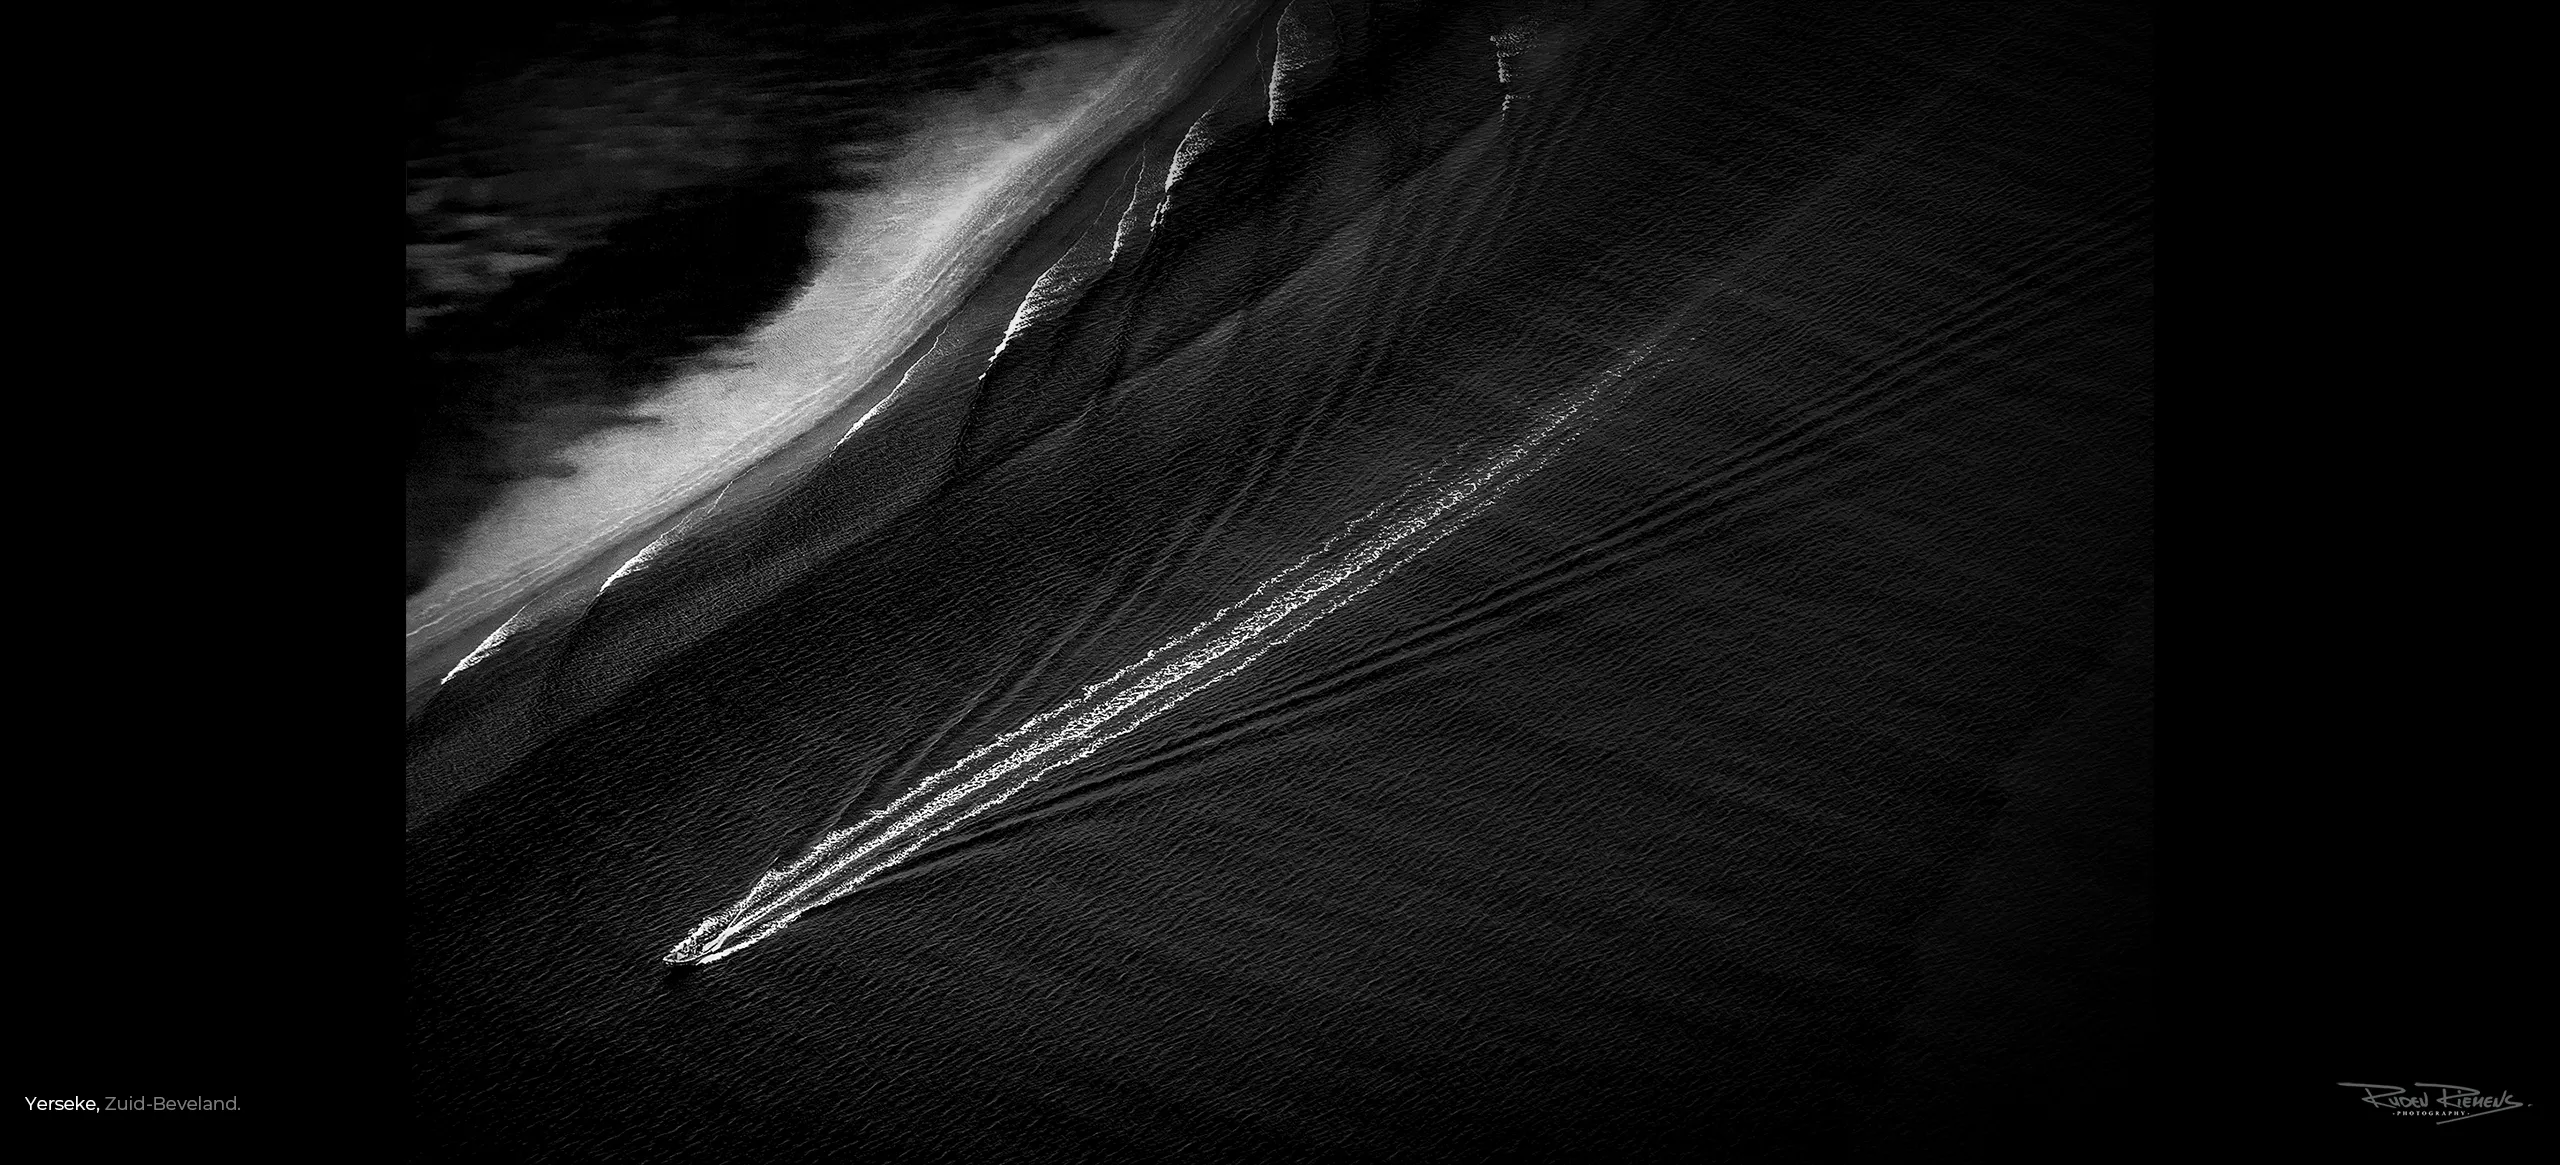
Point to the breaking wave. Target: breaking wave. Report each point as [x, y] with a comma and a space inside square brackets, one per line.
[1194, 140]
[490, 645]
[912, 234]
[1288, 56]
[1066, 278]
[662, 541]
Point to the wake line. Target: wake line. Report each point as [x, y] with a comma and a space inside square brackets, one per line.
[1326, 580]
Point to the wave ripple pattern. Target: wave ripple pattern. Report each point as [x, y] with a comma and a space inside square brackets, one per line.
[1338, 572]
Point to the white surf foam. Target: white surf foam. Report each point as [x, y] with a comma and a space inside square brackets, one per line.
[489, 645]
[662, 541]
[1194, 140]
[1288, 56]
[1509, 43]
[975, 171]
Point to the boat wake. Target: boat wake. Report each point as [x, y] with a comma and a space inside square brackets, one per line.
[1326, 580]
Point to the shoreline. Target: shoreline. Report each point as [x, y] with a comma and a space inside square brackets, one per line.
[1094, 189]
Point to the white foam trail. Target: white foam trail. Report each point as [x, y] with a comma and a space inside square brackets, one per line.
[1067, 277]
[1090, 690]
[1288, 54]
[1309, 590]
[1194, 140]
[894, 393]
[661, 542]
[488, 645]
[1120, 233]
[874, 410]
[1344, 601]
[1055, 285]
[972, 173]
[1506, 46]
[638, 560]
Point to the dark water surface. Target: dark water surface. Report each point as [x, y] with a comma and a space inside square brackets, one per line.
[1655, 811]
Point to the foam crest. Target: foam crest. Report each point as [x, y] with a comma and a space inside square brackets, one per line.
[662, 541]
[1293, 45]
[1508, 44]
[488, 646]
[1194, 140]
[914, 230]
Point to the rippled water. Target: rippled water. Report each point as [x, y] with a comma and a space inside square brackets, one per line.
[1619, 822]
